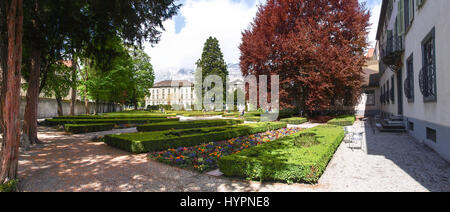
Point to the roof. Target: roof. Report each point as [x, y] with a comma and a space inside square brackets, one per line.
[370, 53]
[173, 83]
[384, 6]
[371, 75]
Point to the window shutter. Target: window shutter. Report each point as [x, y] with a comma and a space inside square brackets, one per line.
[411, 11]
[401, 17]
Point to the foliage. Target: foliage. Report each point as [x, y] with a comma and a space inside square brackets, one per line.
[55, 122]
[283, 160]
[186, 125]
[295, 120]
[213, 63]
[344, 120]
[204, 157]
[10, 186]
[59, 81]
[160, 140]
[87, 128]
[316, 47]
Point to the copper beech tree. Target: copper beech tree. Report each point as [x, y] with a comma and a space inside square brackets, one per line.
[316, 47]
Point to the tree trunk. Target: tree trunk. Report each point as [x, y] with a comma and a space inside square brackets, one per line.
[96, 107]
[86, 105]
[30, 119]
[9, 157]
[73, 92]
[60, 107]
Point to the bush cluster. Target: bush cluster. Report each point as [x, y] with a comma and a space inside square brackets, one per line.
[87, 128]
[345, 120]
[295, 120]
[10, 186]
[161, 140]
[56, 122]
[186, 125]
[291, 159]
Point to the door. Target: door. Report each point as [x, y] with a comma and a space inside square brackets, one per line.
[400, 92]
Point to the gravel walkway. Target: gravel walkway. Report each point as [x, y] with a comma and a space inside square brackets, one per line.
[73, 163]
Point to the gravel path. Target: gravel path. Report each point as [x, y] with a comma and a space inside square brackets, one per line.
[73, 163]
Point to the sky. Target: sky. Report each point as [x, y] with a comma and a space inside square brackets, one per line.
[182, 41]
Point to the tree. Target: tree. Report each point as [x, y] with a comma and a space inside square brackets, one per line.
[316, 47]
[59, 83]
[12, 14]
[212, 63]
[50, 28]
[143, 76]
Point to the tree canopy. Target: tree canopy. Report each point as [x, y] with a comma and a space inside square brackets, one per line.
[316, 47]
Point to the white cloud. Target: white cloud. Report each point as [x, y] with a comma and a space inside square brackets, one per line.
[375, 16]
[223, 19]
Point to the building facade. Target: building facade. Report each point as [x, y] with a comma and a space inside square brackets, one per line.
[369, 104]
[414, 68]
[172, 92]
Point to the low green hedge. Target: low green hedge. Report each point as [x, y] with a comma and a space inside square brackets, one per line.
[119, 116]
[161, 140]
[295, 120]
[346, 120]
[186, 125]
[285, 160]
[253, 119]
[87, 128]
[55, 122]
[11, 186]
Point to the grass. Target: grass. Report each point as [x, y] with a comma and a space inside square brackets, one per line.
[186, 125]
[161, 140]
[290, 159]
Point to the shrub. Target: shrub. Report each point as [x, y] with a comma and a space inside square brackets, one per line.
[161, 140]
[296, 158]
[345, 120]
[55, 122]
[117, 116]
[10, 186]
[186, 125]
[87, 128]
[296, 120]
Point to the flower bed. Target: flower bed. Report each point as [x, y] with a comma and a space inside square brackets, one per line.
[302, 157]
[159, 140]
[204, 157]
[186, 125]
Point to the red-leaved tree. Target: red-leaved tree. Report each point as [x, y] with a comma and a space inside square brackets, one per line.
[316, 47]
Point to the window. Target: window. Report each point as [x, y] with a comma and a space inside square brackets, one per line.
[409, 13]
[431, 134]
[427, 76]
[370, 97]
[410, 126]
[400, 22]
[388, 89]
[409, 81]
[420, 3]
[392, 92]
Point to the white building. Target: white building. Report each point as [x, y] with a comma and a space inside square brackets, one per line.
[172, 92]
[413, 37]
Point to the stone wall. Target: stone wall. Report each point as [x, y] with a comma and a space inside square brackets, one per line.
[48, 108]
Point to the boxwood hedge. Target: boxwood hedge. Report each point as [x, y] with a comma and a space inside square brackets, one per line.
[10, 186]
[55, 122]
[295, 120]
[86, 128]
[346, 120]
[161, 140]
[186, 125]
[283, 160]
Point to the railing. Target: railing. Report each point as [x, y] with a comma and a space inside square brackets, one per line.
[393, 44]
[427, 81]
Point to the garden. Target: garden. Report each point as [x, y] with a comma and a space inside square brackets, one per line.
[240, 147]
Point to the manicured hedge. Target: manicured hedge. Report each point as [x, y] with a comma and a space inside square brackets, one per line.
[346, 120]
[186, 125]
[161, 140]
[55, 122]
[117, 116]
[87, 128]
[295, 120]
[253, 119]
[284, 160]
